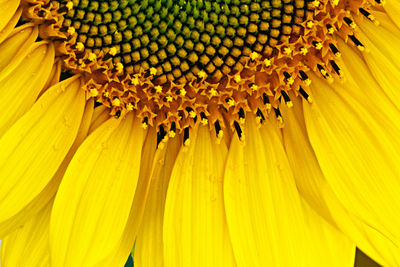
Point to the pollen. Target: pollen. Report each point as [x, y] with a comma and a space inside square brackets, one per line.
[71, 30]
[93, 92]
[202, 74]
[112, 51]
[158, 88]
[178, 63]
[69, 5]
[254, 56]
[92, 56]
[79, 46]
[116, 102]
[129, 107]
[119, 67]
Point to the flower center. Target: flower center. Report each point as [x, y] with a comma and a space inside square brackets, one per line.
[181, 38]
[180, 62]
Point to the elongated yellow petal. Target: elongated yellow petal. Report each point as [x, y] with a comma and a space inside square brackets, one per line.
[330, 246]
[7, 10]
[121, 252]
[15, 47]
[357, 155]
[93, 202]
[262, 204]
[370, 240]
[149, 243]
[49, 191]
[80, 137]
[29, 245]
[306, 170]
[334, 248]
[34, 147]
[382, 57]
[100, 115]
[195, 200]
[20, 88]
[10, 25]
[392, 8]
[54, 76]
[142, 189]
[360, 83]
[314, 188]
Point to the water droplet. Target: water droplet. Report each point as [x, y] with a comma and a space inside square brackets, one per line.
[213, 198]
[280, 167]
[212, 178]
[67, 122]
[55, 147]
[104, 145]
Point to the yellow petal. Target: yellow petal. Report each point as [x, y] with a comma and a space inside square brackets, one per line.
[384, 20]
[100, 115]
[314, 189]
[20, 88]
[334, 248]
[370, 240]
[54, 76]
[149, 244]
[361, 86]
[80, 137]
[195, 200]
[142, 189]
[93, 202]
[392, 8]
[330, 246]
[382, 58]
[262, 204]
[306, 171]
[34, 147]
[28, 245]
[10, 25]
[15, 47]
[7, 10]
[121, 252]
[358, 156]
[49, 191]
[360, 83]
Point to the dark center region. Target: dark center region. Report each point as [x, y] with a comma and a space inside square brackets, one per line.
[182, 37]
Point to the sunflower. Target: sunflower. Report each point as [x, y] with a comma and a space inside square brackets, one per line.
[199, 132]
